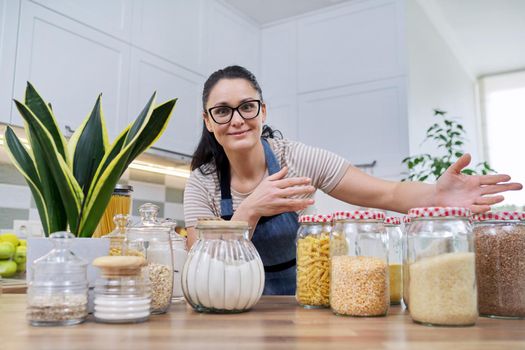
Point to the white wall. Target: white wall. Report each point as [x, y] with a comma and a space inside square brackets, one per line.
[73, 50]
[436, 79]
[336, 79]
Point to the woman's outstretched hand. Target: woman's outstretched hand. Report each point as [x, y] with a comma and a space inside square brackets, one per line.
[477, 192]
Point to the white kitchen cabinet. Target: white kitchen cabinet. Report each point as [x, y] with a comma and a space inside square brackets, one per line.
[70, 64]
[150, 73]
[9, 10]
[113, 17]
[232, 39]
[362, 123]
[365, 44]
[172, 29]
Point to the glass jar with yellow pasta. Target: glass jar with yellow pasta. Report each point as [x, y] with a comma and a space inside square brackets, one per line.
[395, 258]
[359, 276]
[313, 261]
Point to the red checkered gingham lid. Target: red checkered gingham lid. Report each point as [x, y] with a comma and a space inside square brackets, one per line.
[407, 219]
[499, 216]
[393, 220]
[315, 218]
[439, 212]
[359, 215]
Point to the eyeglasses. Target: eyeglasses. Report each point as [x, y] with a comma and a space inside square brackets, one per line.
[224, 114]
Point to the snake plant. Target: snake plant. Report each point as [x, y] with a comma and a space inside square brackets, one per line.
[72, 180]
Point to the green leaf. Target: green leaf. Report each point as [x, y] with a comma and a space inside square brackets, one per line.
[54, 167]
[21, 159]
[43, 112]
[154, 123]
[87, 147]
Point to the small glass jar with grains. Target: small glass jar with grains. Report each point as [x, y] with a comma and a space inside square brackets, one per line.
[406, 226]
[122, 293]
[152, 240]
[395, 258]
[313, 261]
[500, 264]
[359, 275]
[57, 290]
[117, 238]
[441, 273]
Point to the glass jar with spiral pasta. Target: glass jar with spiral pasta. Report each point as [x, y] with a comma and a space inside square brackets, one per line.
[441, 273]
[313, 261]
[223, 272]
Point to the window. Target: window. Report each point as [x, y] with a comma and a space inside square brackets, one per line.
[503, 106]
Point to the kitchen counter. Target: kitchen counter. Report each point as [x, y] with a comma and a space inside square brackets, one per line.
[276, 322]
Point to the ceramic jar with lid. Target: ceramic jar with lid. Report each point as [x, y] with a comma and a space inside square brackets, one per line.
[57, 291]
[500, 264]
[224, 272]
[359, 282]
[441, 273]
[122, 293]
[313, 261]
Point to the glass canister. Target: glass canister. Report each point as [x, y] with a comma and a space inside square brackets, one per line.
[120, 203]
[122, 293]
[359, 277]
[151, 240]
[500, 264]
[117, 238]
[313, 261]
[406, 226]
[57, 291]
[224, 272]
[442, 276]
[180, 254]
[395, 258]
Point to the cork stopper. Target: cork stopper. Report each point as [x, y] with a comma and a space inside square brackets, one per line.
[113, 266]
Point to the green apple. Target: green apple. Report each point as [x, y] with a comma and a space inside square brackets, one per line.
[7, 249]
[7, 268]
[9, 237]
[20, 255]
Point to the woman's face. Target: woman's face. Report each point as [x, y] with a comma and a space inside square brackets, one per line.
[239, 134]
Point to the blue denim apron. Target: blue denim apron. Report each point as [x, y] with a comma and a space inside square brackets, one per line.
[274, 236]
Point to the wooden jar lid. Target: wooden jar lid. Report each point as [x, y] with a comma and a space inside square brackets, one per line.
[120, 265]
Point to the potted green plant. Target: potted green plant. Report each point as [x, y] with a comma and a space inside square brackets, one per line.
[72, 180]
[449, 135]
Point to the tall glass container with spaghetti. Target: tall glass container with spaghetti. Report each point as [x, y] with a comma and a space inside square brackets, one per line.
[395, 258]
[313, 261]
[120, 203]
[359, 273]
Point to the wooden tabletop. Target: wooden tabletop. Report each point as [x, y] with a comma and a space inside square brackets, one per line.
[274, 323]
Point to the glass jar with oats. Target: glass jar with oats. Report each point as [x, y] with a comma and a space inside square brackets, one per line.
[500, 264]
[359, 278]
[152, 240]
[313, 261]
[395, 258]
[441, 272]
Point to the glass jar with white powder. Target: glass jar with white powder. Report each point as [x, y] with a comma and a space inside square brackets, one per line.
[223, 272]
[122, 293]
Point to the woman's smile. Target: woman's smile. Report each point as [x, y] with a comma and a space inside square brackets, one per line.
[239, 133]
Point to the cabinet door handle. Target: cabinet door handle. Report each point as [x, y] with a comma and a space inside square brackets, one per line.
[69, 131]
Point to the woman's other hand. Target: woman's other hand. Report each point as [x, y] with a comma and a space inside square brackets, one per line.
[477, 192]
[275, 195]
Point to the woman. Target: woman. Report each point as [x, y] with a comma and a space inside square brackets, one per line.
[241, 172]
